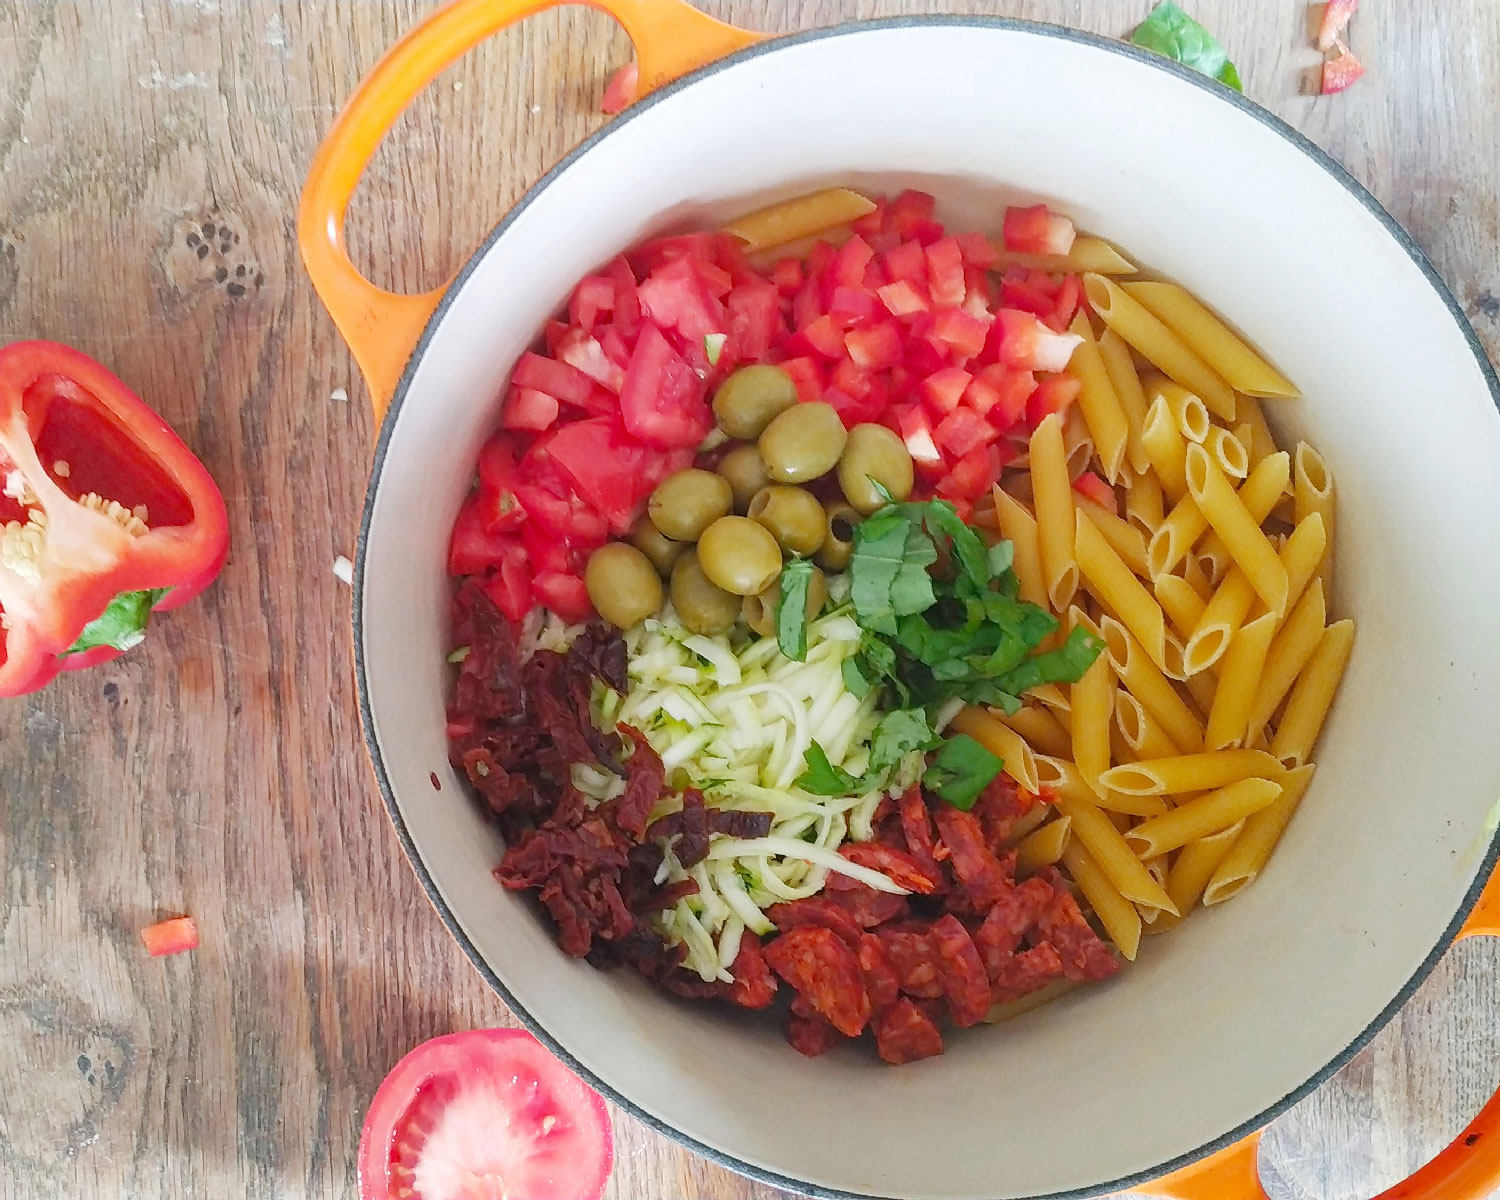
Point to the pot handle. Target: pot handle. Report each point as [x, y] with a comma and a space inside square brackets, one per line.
[1468, 1168]
[382, 328]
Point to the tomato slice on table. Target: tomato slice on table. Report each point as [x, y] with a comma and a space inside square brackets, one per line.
[484, 1115]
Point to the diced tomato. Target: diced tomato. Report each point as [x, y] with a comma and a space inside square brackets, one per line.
[1000, 393]
[170, 937]
[554, 332]
[945, 272]
[675, 296]
[1028, 344]
[509, 586]
[500, 510]
[609, 469]
[584, 353]
[1341, 72]
[595, 294]
[807, 374]
[613, 344]
[855, 410]
[715, 278]
[942, 390]
[472, 548]
[662, 400]
[850, 262]
[901, 298]
[851, 378]
[621, 90]
[848, 306]
[876, 346]
[962, 431]
[730, 256]
[820, 336]
[916, 432]
[962, 333]
[820, 265]
[973, 475]
[565, 595]
[646, 257]
[787, 275]
[559, 380]
[754, 311]
[911, 217]
[907, 261]
[872, 222]
[1052, 395]
[978, 250]
[1336, 14]
[627, 318]
[529, 409]
[1037, 230]
[1096, 489]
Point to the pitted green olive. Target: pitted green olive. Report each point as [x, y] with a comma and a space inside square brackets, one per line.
[760, 611]
[747, 401]
[739, 555]
[874, 453]
[792, 514]
[746, 473]
[685, 504]
[838, 540]
[803, 443]
[622, 584]
[701, 605]
[660, 549]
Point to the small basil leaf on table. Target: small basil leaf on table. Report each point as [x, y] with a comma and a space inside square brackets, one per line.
[1173, 34]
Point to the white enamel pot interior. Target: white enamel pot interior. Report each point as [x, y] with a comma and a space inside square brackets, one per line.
[1246, 1006]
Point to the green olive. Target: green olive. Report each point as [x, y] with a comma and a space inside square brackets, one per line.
[739, 555]
[746, 473]
[701, 605]
[760, 611]
[803, 443]
[622, 584]
[838, 540]
[748, 399]
[792, 514]
[685, 504]
[660, 549]
[874, 453]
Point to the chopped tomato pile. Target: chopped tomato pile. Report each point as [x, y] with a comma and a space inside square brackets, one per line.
[904, 324]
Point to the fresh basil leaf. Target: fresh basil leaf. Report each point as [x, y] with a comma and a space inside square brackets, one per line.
[1066, 664]
[121, 625]
[879, 554]
[968, 551]
[791, 609]
[911, 590]
[961, 770]
[1171, 32]
[822, 778]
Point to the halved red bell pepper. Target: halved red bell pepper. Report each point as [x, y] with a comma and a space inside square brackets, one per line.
[105, 516]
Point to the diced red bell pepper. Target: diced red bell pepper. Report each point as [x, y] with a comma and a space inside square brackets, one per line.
[662, 401]
[962, 431]
[977, 295]
[855, 410]
[942, 390]
[850, 262]
[621, 90]
[1341, 72]
[1028, 344]
[509, 584]
[807, 304]
[675, 296]
[850, 305]
[1052, 395]
[851, 378]
[901, 298]
[907, 261]
[104, 502]
[999, 394]
[564, 594]
[1336, 14]
[978, 250]
[945, 272]
[594, 295]
[528, 409]
[1069, 294]
[807, 374]
[973, 475]
[1096, 489]
[962, 333]
[170, 937]
[821, 336]
[916, 432]
[559, 380]
[875, 347]
[1037, 230]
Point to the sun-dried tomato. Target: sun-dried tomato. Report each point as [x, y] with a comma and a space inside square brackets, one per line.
[811, 1036]
[816, 962]
[881, 983]
[980, 872]
[643, 784]
[965, 982]
[906, 1033]
[897, 865]
[754, 985]
[911, 953]
[816, 910]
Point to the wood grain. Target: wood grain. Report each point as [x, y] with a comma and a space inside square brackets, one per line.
[153, 150]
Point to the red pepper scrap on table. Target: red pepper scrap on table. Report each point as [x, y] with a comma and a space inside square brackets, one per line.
[105, 516]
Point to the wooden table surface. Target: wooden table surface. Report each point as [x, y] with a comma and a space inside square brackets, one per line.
[152, 155]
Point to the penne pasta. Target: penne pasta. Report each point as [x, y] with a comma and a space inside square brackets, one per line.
[1180, 601]
[1201, 687]
[1000, 740]
[1053, 491]
[1093, 704]
[1312, 492]
[1187, 409]
[1141, 731]
[1175, 536]
[1018, 527]
[1052, 696]
[1308, 704]
[1239, 675]
[1302, 553]
[1117, 914]
[1202, 816]
[1143, 502]
[1194, 867]
[1117, 586]
[1108, 847]
[1262, 441]
[1260, 493]
[1173, 664]
[1166, 448]
[1290, 651]
[1044, 846]
[1232, 455]
[1222, 615]
[1124, 539]
[1162, 348]
[1232, 521]
[1086, 254]
[1043, 732]
[799, 217]
[1210, 339]
[1101, 408]
[1120, 368]
[767, 258]
[1144, 680]
[1064, 778]
[1242, 865]
[1190, 772]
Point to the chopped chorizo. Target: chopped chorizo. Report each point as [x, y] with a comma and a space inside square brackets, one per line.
[754, 985]
[916, 825]
[1011, 917]
[862, 902]
[980, 872]
[881, 982]
[906, 1034]
[811, 1036]
[899, 866]
[1019, 974]
[965, 982]
[816, 910]
[824, 970]
[1083, 952]
[910, 951]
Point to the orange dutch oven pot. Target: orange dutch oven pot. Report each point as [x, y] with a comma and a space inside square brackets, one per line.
[1160, 1081]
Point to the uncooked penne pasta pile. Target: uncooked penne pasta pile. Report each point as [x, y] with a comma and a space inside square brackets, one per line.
[1160, 513]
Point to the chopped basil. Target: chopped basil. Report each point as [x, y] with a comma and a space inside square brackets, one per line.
[822, 778]
[961, 770]
[791, 609]
[1171, 32]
